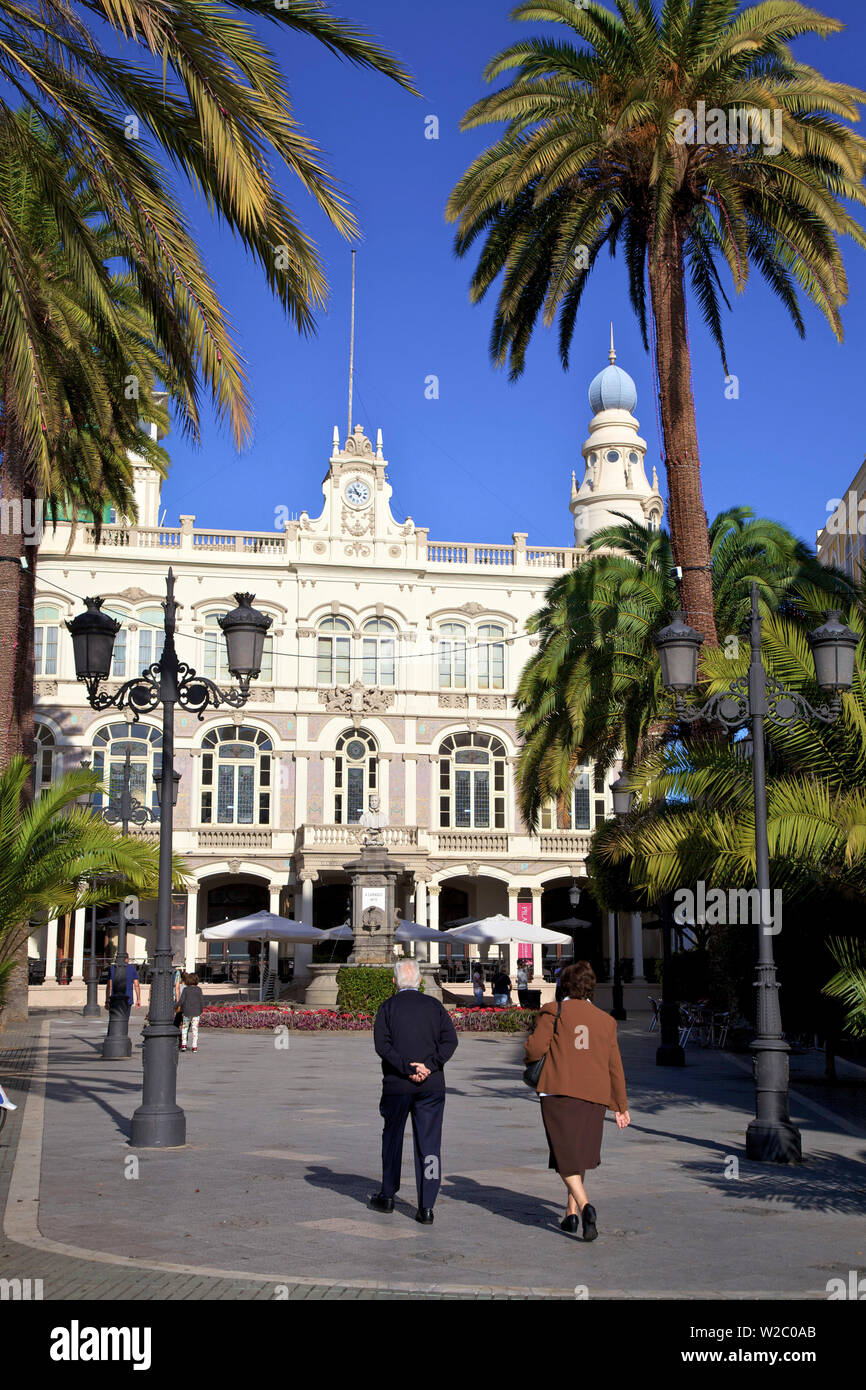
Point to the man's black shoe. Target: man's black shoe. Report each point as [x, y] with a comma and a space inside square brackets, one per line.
[378, 1202]
[425, 1216]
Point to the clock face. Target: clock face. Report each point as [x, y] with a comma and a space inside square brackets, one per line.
[357, 493]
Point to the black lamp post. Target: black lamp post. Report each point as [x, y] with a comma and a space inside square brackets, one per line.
[622, 794]
[125, 808]
[91, 978]
[750, 700]
[159, 1121]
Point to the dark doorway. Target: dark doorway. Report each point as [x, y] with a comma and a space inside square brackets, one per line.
[226, 904]
[453, 908]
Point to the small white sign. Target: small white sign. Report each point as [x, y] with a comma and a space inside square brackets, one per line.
[373, 897]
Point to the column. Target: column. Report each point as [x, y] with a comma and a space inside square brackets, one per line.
[637, 945]
[411, 775]
[510, 960]
[79, 931]
[191, 938]
[433, 892]
[537, 948]
[274, 946]
[384, 780]
[50, 950]
[610, 932]
[419, 912]
[304, 952]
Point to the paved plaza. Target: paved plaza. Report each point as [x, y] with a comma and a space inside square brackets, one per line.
[268, 1198]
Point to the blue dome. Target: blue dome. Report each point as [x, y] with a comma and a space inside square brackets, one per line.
[612, 389]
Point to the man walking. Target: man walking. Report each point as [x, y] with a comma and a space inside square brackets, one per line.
[415, 1038]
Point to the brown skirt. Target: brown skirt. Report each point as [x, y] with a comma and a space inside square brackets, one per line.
[574, 1129]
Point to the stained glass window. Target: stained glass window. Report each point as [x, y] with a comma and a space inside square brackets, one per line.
[238, 762]
[470, 765]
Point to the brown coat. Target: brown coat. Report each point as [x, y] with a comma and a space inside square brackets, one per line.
[583, 1059]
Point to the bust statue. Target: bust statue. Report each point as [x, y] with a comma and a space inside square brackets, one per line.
[374, 822]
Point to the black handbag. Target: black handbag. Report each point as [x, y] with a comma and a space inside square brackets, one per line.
[532, 1071]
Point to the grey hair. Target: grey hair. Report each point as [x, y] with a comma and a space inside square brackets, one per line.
[406, 974]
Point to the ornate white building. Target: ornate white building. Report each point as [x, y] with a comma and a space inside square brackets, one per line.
[389, 669]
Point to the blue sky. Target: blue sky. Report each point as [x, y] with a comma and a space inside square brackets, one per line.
[490, 457]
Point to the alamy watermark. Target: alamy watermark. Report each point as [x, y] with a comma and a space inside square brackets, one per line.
[720, 907]
[22, 518]
[740, 125]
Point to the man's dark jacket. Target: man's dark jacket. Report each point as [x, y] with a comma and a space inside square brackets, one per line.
[412, 1027]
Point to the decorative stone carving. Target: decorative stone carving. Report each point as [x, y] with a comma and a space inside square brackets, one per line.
[357, 699]
[473, 609]
[357, 523]
[492, 702]
[319, 548]
[394, 552]
[356, 548]
[261, 695]
[359, 444]
[234, 866]
[306, 632]
[44, 688]
[473, 869]
[451, 701]
[135, 595]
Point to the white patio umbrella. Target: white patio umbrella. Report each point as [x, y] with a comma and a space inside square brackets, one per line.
[263, 926]
[414, 931]
[500, 929]
[342, 933]
[569, 923]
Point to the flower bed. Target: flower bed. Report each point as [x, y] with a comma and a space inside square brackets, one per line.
[513, 1020]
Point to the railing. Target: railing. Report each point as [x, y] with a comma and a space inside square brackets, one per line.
[456, 553]
[564, 841]
[547, 557]
[349, 836]
[234, 839]
[471, 842]
[159, 537]
[255, 542]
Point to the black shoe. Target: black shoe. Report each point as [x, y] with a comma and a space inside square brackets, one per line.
[569, 1223]
[589, 1218]
[379, 1202]
[425, 1216]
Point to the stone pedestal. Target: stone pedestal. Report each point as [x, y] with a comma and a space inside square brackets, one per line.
[320, 990]
[374, 877]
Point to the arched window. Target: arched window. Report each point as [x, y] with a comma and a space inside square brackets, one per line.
[43, 759]
[46, 633]
[355, 774]
[452, 656]
[216, 655]
[236, 777]
[472, 782]
[379, 652]
[491, 657]
[580, 809]
[119, 669]
[333, 652]
[151, 637]
[109, 754]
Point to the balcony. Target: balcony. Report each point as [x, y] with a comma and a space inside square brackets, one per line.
[348, 837]
[229, 838]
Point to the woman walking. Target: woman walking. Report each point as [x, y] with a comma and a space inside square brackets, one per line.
[191, 1007]
[582, 1077]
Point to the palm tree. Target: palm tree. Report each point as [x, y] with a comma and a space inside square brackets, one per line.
[593, 690]
[694, 818]
[198, 83]
[600, 150]
[52, 853]
[92, 339]
[849, 983]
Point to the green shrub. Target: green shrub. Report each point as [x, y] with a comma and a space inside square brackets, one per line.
[364, 987]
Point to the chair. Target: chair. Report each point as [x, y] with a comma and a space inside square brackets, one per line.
[720, 1025]
[655, 1020]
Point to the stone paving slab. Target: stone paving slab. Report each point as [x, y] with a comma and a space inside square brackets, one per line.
[249, 1200]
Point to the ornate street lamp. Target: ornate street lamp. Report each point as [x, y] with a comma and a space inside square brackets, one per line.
[159, 1121]
[125, 808]
[750, 700]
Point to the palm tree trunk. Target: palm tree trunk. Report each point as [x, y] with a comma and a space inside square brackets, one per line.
[17, 592]
[690, 540]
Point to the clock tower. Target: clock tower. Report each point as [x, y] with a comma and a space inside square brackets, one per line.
[356, 520]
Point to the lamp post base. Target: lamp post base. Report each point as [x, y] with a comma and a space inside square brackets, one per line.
[773, 1141]
[670, 1055]
[91, 1011]
[159, 1122]
[117, 1044]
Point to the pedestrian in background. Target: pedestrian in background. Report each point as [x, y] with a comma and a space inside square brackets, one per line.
[192, 1008]
[501, 990]
[414, 1036]
[478, 986]
[582, 1077]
